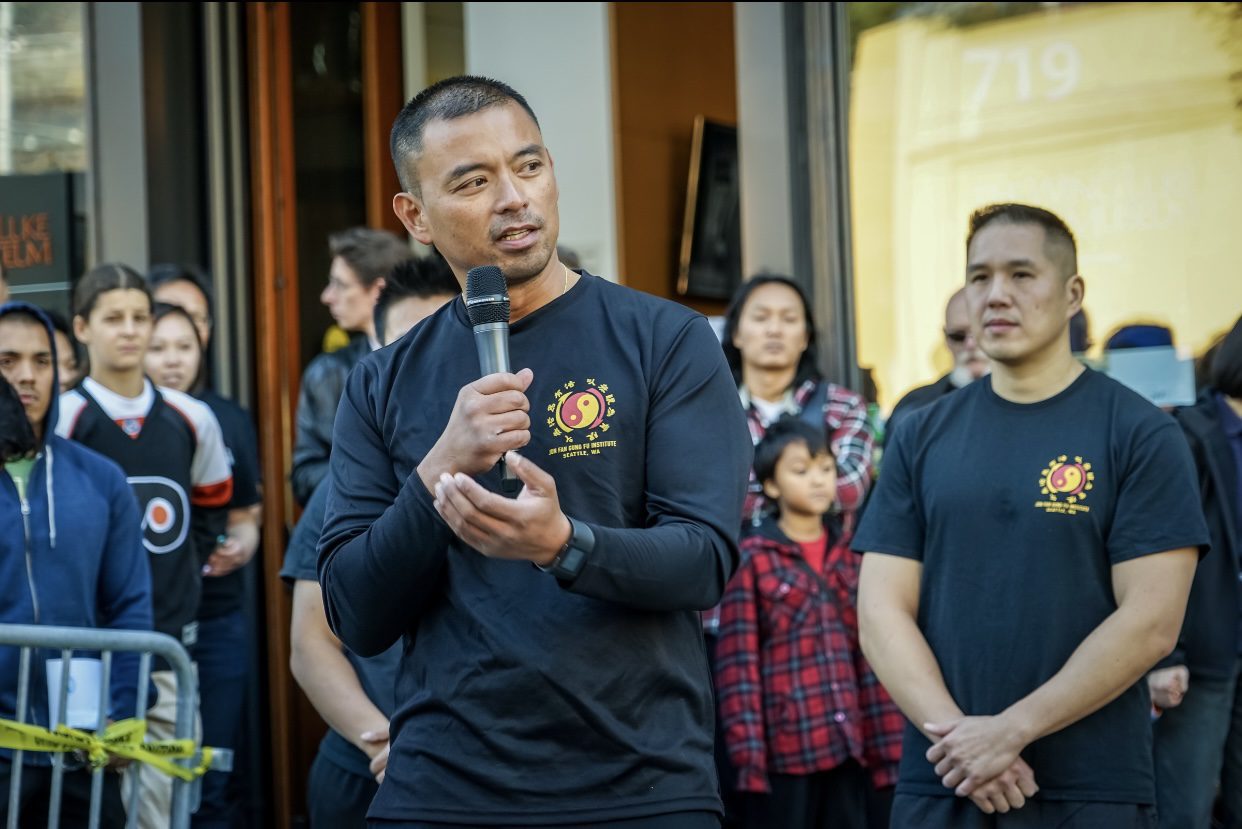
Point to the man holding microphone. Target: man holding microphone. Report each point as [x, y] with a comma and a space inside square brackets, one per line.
[554, 672]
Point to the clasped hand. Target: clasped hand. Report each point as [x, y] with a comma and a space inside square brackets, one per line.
[979, 758]
[490, 420]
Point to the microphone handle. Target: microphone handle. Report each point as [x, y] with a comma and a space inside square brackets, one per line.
[492, 342]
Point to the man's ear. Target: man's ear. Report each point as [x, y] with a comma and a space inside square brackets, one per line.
[1076, 289]
[410, 210]
[377, 287]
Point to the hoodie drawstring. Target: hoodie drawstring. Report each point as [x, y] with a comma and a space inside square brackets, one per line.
[51, 502]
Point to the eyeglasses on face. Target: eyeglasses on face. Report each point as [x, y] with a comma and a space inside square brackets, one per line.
[956, 336]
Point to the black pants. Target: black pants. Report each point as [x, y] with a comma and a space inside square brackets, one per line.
[916, 812]
[681, 820]
[75, 799]
[836, 798]
[337, 799]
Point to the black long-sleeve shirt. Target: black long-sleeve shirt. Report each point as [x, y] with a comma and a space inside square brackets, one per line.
[522, 699]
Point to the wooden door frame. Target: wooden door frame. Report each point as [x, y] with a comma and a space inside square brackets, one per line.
[382, 98]
[274, 251]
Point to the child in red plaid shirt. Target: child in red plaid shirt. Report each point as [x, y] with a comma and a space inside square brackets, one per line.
[813, 737]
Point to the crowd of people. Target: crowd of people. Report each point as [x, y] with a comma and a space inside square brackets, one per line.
[1026, 614]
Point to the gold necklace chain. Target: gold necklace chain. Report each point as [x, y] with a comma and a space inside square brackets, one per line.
[565, 284]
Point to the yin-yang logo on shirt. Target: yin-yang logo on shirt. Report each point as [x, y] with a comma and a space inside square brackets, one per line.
[165, 513]
[579, 418]
[1065, 483]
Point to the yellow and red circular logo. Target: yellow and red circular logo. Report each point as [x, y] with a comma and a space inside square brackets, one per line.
[581, 413]
[580, 410]
[1068, 479]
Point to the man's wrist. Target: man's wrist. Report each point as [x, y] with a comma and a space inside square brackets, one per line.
[430, 469]
[1020, 726]
[571, 557]
[566, 536]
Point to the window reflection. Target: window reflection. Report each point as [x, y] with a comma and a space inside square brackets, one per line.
[1123, 118]
[42, 88]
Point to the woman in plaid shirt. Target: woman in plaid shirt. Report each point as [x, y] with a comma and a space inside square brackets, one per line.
[769, 343]
[810, 732]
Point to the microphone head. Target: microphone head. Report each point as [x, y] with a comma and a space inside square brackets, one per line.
[487, 295]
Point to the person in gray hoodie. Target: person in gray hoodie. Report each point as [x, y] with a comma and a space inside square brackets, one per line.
[71, 554]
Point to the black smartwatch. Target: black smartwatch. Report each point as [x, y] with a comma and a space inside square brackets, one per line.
[570, 560]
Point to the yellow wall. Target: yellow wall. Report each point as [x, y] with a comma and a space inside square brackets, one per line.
[1119, 117]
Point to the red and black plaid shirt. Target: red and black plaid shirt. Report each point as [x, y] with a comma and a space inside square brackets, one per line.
[849, 437]
[795, 694]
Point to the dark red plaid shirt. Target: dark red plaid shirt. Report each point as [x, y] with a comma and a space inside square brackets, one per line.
[795, 694]
[849, 437]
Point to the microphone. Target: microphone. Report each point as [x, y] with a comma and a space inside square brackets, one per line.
[487, 305]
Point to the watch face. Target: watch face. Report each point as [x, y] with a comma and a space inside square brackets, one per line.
[572, 563]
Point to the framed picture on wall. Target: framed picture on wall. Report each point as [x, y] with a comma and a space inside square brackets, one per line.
[710, 263]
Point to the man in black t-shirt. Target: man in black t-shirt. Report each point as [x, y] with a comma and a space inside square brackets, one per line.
[1030, 549]
[553, 669]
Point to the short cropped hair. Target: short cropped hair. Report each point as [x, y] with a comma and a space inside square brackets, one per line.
[1227, 363]
[1059, 245]
[448, 99]
[371, 254]
[785, 432]
[422, 278]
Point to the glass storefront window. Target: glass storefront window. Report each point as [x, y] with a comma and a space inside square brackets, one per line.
[43, 150]
[42, 88]
[1123, 118]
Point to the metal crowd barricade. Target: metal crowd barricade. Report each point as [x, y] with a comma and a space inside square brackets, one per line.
[105, 642]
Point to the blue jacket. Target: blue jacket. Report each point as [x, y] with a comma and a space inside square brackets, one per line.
[71, 555]
[1211, 636]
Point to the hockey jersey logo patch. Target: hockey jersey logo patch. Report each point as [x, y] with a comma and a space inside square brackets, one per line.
[165, 513]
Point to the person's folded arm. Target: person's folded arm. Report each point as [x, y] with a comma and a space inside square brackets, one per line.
[1151, 594]
[326, 675]
[698, 457]
[888, 630]
[383, 546]
[849, 435]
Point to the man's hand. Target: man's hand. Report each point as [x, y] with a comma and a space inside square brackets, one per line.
[1007, 791]
[491, 417]
[378, 740]
[226, 558]
[1168, 686]
[238, 547]
[972, 751]
[530, 527]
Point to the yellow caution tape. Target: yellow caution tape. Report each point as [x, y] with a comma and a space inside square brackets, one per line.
[124, 738]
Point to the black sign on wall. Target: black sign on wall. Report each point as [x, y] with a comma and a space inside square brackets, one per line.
[40, 244]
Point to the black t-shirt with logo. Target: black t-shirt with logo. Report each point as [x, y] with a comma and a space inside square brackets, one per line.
[1017, 513]
[523, 700]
